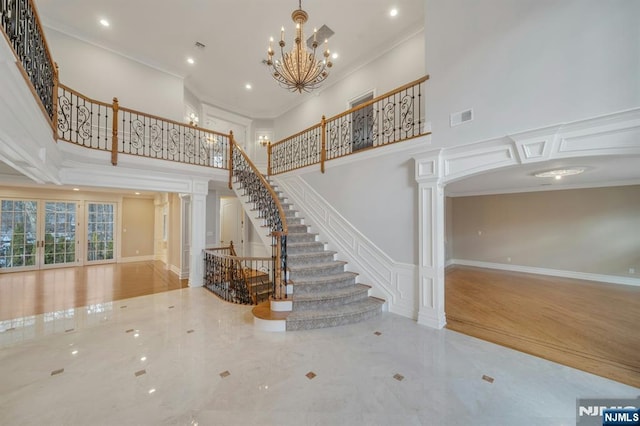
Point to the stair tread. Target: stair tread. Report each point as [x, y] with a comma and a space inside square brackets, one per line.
[311, 254]
[305, 244]
[337, 311]
[331, 294]
[315, 265]
[323, 279]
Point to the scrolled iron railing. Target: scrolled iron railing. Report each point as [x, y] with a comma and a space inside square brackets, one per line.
[242, 280]
[150, 136]
[268, 207]
[109, 127]
[393, 117]
[83, 121]
[21, 25]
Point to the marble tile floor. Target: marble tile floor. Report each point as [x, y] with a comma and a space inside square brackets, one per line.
[184, 357]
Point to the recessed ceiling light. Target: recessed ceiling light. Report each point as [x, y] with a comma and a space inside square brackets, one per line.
[191, 61]
[393, 12]
[560, 173]
[334, 55]
[247, 86]
[104, 22]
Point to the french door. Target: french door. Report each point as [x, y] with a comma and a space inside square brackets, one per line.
[100, 232]
[37, 234]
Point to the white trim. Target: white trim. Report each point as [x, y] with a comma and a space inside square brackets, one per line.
[610, 279]
[611, 134]
[132, 259]
[603, 184]
[390, 280]
[181, 275]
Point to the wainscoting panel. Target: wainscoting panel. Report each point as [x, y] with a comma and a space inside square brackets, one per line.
[395, 282]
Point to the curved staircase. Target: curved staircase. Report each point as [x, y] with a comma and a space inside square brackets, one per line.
[323, 293]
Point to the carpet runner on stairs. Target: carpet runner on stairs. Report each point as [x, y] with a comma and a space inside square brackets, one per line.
[324, 294]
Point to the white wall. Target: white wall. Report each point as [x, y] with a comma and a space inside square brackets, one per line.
[103, 75]
[378, 197]
[529, 63]
[401, 65]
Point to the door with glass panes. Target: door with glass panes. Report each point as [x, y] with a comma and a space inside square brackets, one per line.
[100, 232]
[37, 234]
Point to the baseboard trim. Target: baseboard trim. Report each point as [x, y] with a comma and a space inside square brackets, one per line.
[610, 279]
[136, 259]
[178, 272]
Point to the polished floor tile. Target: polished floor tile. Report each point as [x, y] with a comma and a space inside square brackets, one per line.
[184, 357]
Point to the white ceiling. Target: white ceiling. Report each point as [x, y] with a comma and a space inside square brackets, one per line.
[600, 171]
[236, 34]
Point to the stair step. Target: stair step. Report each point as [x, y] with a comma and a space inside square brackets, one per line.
[311, 258]
[339, 315]
[300, 237]
[297, 228]
[328, 299]
[303, 246]
[312, 284]
[316, 269]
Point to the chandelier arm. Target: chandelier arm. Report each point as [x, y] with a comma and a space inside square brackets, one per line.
[284, 66]
[299, 69]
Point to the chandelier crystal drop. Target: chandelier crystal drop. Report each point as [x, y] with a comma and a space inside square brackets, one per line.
[298, 70]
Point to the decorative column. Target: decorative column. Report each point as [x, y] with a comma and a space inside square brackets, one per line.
[431, 252]
[198, 232]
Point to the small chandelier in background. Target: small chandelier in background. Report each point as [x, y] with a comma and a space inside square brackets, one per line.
[298, 70]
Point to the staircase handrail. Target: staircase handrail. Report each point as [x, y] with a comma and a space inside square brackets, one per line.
[223, 271]
[274, 196]
[20, 25]
[267, 209]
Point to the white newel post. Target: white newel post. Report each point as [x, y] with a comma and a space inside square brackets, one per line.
[431, 240]
[198, 232]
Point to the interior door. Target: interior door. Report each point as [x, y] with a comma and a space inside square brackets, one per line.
[232, 223]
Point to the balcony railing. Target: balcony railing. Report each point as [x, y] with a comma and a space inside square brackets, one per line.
[393, 117]
[109, 127]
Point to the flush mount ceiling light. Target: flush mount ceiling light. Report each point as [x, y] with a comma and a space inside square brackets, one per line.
[560, 173]
[104, 23]
[299, 70]
[393, 12]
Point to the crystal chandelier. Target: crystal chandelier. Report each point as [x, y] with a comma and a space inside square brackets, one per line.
[298, 70]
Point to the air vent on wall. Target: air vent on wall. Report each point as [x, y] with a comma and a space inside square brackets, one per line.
[324, 33]
[458, 118]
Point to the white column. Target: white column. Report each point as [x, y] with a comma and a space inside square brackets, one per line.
[198, 232]
[431, 251]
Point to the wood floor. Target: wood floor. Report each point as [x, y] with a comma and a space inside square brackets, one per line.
[594, 327]
[36, 292]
